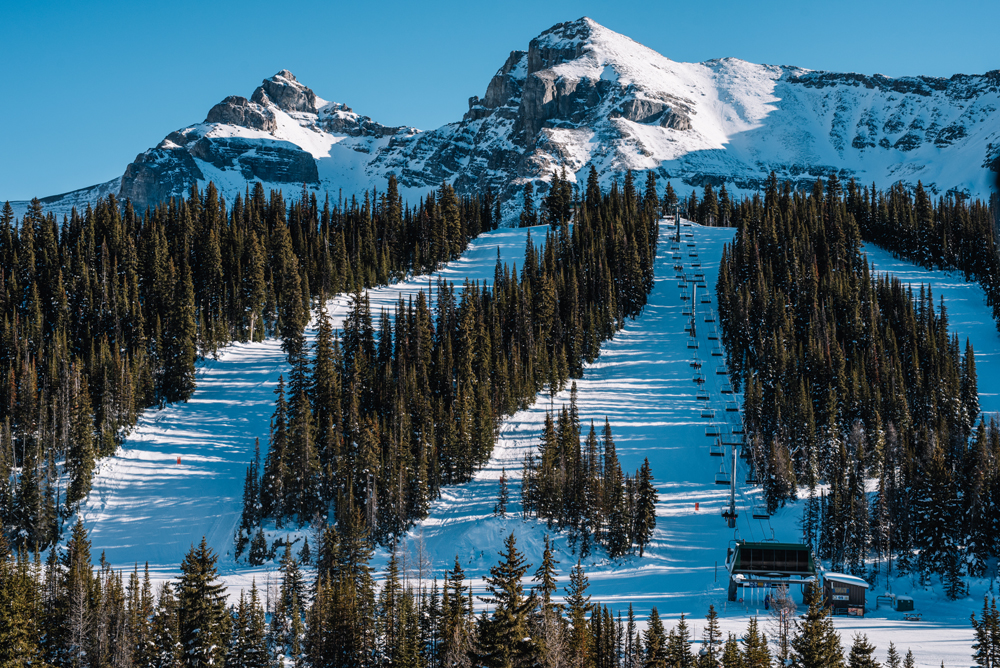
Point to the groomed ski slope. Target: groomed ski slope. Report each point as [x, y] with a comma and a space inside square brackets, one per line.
[145, 506]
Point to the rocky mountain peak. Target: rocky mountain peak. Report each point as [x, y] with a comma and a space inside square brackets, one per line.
[561, 43]
[285, 92]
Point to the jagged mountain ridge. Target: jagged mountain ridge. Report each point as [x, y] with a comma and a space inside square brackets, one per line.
[582, 94]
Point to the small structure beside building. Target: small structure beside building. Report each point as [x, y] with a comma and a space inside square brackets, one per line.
[845, 594]
[903, 604]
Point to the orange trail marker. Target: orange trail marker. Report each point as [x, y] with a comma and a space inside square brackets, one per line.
[178, 460]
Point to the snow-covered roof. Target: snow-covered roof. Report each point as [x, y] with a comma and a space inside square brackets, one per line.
[846, 579]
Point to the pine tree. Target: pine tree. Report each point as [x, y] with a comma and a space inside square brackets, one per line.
[711, 639]
[505, 641]
[500, 509]
[645, 513]
[862, 653]
[892, 659]
[201, 609]
[655, 642]
[816, 643]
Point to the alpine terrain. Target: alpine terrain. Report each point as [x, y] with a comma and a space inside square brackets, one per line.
[582, 94]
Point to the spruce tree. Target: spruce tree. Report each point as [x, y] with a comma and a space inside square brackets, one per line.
[201, 609]
[862, 653]
[816, 643]
[506, 642]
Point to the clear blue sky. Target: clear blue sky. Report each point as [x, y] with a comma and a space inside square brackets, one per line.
[88, 85]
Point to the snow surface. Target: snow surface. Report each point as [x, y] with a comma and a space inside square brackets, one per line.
[145, 506]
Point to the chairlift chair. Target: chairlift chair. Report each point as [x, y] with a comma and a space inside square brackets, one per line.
[708, 414]
[721, 370]
[710, 316]
[727, 388]
[717, 449]
[692, 343]
[706, 298]
[731, 406]
[699, 378]
[702, 395]
[716, 352]
[722, 478]
[713, 335]
[696, 363]
[760, 513]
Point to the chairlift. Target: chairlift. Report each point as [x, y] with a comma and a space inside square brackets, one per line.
[713, 335]
[721, 370]
[751, 478]
[760, 513]
[727, 388]
[696, 363]
[685, 296]
[693, 254]
[699, 378]
[692, 343]
[738, 430]
[710, 316]
[716, 449]
[706, 298]
[722, 478]
[708, 414]
[702, 395]
[716, 352]
[687, 312]
[696, 265]
[732, 407]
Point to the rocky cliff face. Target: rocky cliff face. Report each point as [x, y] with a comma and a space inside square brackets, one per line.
[583, 95]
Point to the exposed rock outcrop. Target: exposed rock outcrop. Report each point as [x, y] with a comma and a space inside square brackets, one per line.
[285, 91]
[236, 110]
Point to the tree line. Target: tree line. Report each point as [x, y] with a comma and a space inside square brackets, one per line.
[849, 377]
[104, 313]
[951, 233]
[67, 613]
[579, 486]
[381, 416]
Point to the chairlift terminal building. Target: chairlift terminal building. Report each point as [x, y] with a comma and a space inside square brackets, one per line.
[767, 564]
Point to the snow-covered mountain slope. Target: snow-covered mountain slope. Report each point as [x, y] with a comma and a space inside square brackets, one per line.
[582, 94]
[146, 506]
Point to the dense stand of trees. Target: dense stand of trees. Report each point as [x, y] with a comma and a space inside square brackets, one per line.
[67, 613]
[104, 313]
[849, 377]
[951, 233]
[579, 486]
[382, 416]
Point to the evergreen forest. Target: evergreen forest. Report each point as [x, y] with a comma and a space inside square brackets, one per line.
[105, 313]
[849, 377]
[381, 416]
[63, 612]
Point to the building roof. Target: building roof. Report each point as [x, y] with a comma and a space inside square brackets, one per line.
[846, 579]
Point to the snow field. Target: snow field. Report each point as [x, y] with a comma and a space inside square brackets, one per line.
[145, 506]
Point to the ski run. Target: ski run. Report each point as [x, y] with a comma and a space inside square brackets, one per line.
[179, 475]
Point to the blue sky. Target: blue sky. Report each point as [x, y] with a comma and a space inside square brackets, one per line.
[88, 85]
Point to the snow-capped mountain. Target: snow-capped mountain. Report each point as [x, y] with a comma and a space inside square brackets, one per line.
[580, 95]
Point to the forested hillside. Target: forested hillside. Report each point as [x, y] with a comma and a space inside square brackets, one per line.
[105, 312]
[380, 420]
[849, 377]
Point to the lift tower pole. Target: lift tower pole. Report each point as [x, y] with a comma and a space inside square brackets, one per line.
[732, 493]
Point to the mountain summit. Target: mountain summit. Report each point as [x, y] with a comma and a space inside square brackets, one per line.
[583, 95]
